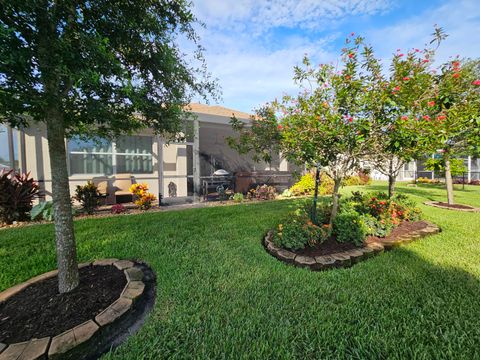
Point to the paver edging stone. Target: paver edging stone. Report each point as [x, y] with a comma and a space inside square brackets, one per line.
[435, 204]
[344, 258]
[81, 335]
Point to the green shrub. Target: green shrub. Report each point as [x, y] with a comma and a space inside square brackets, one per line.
[306, 185]
[237, 197]
[287, 193]
[17, 192]
[324, 209]
[375, 227]
[360, 179]
[425, 180]
[42, 211]
[297, 232]
[348, 226]
[88, 197]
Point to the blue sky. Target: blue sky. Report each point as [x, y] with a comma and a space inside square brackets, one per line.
[252, 45]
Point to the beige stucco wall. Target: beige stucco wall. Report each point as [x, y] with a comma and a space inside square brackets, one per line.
[38, 163]
[176, 165]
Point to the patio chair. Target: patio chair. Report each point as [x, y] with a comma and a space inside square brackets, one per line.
[102, 187]
[122, 185]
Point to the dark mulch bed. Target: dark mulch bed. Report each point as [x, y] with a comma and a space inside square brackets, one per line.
[329, 246]
[404, 228]
[40, 311]
[332, 246]
[454, 206]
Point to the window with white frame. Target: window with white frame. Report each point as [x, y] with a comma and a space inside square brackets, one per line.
[90, 157]
[134, 154]
[8, 148]
[128, 154]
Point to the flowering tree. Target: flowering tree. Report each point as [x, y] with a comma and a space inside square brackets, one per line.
[454, 113]
[324, 126]
[397, 103]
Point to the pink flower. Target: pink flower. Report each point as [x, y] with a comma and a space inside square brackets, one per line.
[404, 117]
[441, 117]
[280, 127]
[400, 55]
[456, 75]
[476, 82]
[417, 50]
[350, 119]
[426, 117]
[406, 78]
[431, 103]
[350, 55]
[425, 61]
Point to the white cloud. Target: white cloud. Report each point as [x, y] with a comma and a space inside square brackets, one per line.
[266, 14]
[255, 66]
[459, 19]
[250, 79]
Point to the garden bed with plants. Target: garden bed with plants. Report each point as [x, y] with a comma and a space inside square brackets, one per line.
[37, 321]
[365, 225]
[19, 191]
[458, 207]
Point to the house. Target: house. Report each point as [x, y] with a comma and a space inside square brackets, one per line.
[416, 169]
[175, 170]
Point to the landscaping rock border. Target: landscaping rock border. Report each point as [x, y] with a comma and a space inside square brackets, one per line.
[95, 336]
[435, 204]
[345, 258]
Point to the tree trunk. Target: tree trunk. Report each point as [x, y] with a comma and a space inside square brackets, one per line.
[336, 188]
[448, 180]
[392, 179]
[315, 196]
[68, 278]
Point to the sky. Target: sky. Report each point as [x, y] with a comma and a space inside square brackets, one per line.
[251, 46]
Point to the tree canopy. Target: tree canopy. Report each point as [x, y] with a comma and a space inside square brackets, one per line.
[101, 63]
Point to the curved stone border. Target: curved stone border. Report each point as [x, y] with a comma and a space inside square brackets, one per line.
[344, 258]
[82, 341]
[434, 204]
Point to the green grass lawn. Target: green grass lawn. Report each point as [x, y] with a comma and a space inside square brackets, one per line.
[220, 295]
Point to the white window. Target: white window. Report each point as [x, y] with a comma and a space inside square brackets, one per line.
[8, 148]
[93, 156]
[128, 154]
[134, 154]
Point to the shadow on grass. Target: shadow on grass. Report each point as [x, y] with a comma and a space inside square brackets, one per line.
[417, 191]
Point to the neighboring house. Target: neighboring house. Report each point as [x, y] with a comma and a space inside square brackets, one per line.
[416, 169]
[173, 170]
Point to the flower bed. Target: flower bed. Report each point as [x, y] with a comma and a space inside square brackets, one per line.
[360, 219]
[340, 257]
